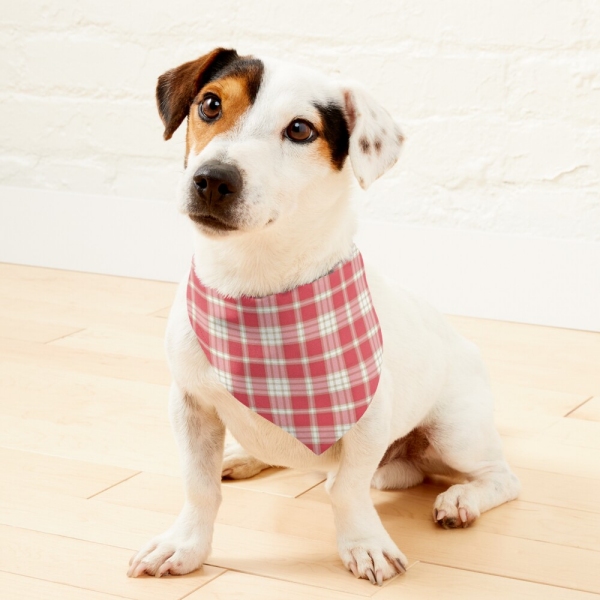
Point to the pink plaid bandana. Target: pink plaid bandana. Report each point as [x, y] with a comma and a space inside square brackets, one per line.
[308, 360]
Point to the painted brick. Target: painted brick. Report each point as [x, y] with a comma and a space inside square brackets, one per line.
[499, 100]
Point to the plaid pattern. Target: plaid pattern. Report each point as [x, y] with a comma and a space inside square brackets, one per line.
[308, 360]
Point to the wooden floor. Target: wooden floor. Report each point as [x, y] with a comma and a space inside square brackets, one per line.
[89, 470]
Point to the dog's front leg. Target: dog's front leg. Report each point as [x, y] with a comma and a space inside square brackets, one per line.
[184, 547]
[365, 546]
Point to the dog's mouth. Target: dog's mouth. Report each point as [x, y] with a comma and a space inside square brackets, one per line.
[211, 222]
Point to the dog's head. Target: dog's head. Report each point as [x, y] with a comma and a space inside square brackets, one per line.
[265, 139]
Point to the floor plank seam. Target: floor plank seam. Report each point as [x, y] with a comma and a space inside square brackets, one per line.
[70, 537]
[560, 506]
[62, 337]
[537, 470]
[312, 487]
[113, 485]
[76, 587]
[578, 406]
[488, 573]
[312, 585]
[205, 584]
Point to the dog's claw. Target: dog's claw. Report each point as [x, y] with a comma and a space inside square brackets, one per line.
[399, 566]
[371, 576]
[379, 577]
[439, 515]
[354, 569]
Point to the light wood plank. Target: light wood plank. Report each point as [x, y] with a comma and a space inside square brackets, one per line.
[49, 473]
[78, 397]
[163, 493]
[78, 316]
[110, 340]
[564, 526]
[496, 554]
[529, 520]
[72, 288]
[312, 514]
[18, 587]
[95, 418]
[590, 411]
[551, 456]
[90, 566]
[33, 331]
[80, 361]
[121, 442]
[520, 519]
[539, 357]
[282, 482]
[573, 432]
[555, 489]
[426, 581]
[479, 548]
[240, 507]
[76, 518]
[312, 561]
[250, 587]
[524, 411]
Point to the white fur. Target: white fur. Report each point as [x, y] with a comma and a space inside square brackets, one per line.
[295, 224]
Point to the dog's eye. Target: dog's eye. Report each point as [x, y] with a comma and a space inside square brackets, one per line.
[210, 108]
[299, 130]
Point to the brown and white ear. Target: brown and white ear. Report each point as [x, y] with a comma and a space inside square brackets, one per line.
[375, 138]
[177, 88]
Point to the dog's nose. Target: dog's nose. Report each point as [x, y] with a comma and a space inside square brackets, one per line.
[218, 183]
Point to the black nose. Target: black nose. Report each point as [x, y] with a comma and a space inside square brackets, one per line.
[218, 184]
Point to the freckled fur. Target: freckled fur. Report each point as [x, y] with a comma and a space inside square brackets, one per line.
[365, 145]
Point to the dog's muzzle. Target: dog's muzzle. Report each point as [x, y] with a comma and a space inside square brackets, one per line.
[216, 187]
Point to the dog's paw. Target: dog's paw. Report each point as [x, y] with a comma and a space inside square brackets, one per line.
[456, 507]
[238, 464]
[372, 559]
[170, 554]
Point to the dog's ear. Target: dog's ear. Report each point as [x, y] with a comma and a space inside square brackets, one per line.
[375, 138]
[177, 88]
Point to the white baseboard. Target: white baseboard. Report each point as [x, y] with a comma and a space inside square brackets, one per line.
[531, 280]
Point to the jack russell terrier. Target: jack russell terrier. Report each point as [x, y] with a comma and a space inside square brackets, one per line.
[276, 335]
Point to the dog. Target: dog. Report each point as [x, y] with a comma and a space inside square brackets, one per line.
[271, 150]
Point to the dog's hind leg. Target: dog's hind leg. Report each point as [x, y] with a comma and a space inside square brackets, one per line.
[398, 474]
[470, 444]
[238, 464]
[400, 466]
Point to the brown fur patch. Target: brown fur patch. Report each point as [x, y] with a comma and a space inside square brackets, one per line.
[236, 99]
[177, 88]
[365, 145]
[411, 447]
[334, 137]
[377, 145]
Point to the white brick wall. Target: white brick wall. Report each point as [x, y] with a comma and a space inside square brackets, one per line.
[500, 99]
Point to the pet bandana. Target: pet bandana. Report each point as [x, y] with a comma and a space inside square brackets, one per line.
[308, 360]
